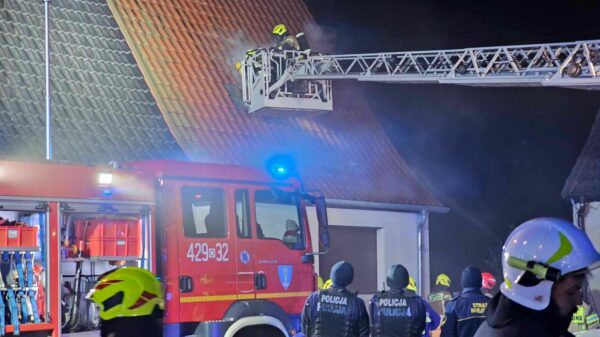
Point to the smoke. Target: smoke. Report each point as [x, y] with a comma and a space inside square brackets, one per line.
[321, 39]
[236, 46]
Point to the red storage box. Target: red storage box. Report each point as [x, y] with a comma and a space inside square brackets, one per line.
[18, 236]
[110, 237]
[3, 236]
[28, 236]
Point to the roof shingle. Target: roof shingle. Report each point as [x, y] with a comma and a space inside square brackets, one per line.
[584, 180]
[102, 108]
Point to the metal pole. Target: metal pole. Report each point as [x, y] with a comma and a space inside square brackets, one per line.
[48, 114]
[423, 254]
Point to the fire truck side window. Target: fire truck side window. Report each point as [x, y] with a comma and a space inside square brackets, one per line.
[277, 217]
[242, 214]
[203, 211]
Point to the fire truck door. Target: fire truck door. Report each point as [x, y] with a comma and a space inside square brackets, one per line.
[279, 246]
[207, 264]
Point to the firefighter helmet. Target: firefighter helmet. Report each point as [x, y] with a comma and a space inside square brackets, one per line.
[412, 285]
[280, 29]
[537, 253]
[127, 292]
[488, 281]
[443, 279]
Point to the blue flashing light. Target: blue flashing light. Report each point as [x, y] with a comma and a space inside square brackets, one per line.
[281, 167]
[107, 192]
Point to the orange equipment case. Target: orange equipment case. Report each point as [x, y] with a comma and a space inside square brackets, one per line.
[18, 236]
[109, 237]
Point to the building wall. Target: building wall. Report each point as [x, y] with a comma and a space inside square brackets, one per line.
[396, 237]
[591, 222]
[592, 228]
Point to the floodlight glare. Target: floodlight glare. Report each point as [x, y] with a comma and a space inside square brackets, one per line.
[105, 179]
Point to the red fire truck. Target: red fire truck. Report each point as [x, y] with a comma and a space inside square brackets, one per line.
[230, 244]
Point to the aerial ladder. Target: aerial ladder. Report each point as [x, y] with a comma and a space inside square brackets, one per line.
[274, 80]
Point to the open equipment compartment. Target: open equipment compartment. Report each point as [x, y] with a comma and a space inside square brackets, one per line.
[97, 238]
[23, 265]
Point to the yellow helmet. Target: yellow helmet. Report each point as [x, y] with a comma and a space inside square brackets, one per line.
[412, 285]
[279, 29]
[443, 279]
[328, 284]
[127, 292]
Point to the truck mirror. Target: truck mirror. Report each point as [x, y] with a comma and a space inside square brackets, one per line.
[321, 208]
[309, 259]
[317, 199]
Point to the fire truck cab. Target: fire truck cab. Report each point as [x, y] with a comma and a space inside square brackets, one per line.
[230, 244]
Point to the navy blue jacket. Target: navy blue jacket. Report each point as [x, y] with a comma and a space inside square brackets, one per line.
[356, 316]
[398, 313]
[465, 313]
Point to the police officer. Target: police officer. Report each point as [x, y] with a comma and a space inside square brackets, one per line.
[336, 312]
[396, 312]
[544, 263]
[465, 313]
[131, 303]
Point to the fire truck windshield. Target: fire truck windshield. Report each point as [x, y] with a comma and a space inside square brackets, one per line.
[278, 217]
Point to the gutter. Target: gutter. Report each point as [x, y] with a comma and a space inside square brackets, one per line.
[382, 206]
[423, 253]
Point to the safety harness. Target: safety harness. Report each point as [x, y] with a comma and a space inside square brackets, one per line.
[2, 307]
[10, 292]
[31, 289]
[25, 314]
[19, 296]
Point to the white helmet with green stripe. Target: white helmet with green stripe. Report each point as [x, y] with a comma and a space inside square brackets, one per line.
[537, 253]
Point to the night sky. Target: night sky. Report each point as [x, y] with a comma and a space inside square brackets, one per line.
[495, 156]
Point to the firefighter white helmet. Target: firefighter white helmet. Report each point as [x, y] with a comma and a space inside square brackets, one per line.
[537, 253]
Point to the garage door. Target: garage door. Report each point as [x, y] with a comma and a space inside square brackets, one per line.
[357, 245]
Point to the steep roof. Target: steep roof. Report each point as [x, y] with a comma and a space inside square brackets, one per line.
[186, 50]
[102, 107]
[584, 180]
[147, 79]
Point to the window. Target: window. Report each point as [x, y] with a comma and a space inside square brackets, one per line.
[277, 217]
[203, 212]
[242, 214]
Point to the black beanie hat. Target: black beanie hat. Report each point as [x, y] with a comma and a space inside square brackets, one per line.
[342, 274]
[471, 277]
[397, 277]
